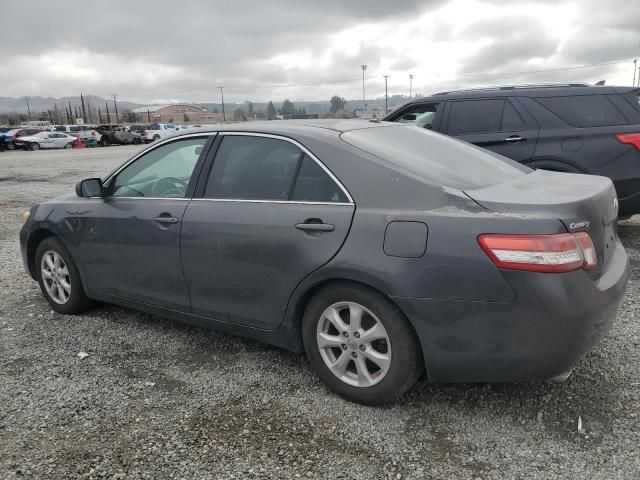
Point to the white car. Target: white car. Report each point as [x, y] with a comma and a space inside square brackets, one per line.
[45, 140]
[83, 132]
[158, 130]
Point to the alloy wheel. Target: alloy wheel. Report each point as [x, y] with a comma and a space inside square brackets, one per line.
[353, 344]
[55, 276]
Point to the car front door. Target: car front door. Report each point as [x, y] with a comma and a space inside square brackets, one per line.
[269, 215]
[497, 124]
[129, 239]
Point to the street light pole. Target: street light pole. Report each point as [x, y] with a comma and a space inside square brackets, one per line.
[410, 84]
[224, 118]
[364, 103]
[634, 72]
[386, 95]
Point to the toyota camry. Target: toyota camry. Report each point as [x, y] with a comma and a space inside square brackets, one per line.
[382, 251]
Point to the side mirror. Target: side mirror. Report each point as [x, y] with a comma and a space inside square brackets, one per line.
[90, 187]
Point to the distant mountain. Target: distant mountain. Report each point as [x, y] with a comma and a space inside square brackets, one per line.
[42, 104]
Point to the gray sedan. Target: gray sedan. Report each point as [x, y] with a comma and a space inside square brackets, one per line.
[382, 251]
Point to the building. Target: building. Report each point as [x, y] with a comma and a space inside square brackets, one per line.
[175, 113]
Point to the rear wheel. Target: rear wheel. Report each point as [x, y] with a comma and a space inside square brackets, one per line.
[34, 146]
[69, 145]
[104, 141]
[59, 278]
[360, 344]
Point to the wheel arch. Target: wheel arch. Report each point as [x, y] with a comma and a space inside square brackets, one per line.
[35, 239]
[304, 293]
[556, 165]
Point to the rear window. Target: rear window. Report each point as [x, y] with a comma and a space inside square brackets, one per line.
[584, 110]
[436, 158]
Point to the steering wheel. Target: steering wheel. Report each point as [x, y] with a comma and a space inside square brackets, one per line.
[168, 187]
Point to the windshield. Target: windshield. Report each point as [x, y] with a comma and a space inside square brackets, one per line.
[439, 159]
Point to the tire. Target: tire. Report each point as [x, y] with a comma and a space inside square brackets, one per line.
[156, 137]
[33, 146]
[397, 351]
[71, 300]
[104, 141]
[69, 145]
[137, 141]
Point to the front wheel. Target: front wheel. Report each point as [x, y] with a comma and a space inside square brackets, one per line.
[360, 344]
[59, 278]
[34, 146]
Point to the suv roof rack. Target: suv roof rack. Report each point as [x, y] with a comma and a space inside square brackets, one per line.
[517, 87]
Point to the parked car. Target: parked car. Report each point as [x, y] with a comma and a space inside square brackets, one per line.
[3, 130]
[45, 140]
[84, 132]
[157, 131]
[378, 249]
[139, 129]
[9, 138]
[117, 134]
[574, 128]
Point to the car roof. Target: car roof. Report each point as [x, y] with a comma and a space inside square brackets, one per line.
[292, 128]
[542, 90]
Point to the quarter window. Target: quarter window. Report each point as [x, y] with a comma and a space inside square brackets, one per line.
[584, 110]
[164, 172]
[314, 185]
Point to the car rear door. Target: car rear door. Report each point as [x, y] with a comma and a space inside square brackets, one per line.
[129, 239]
[266, 215]
[497, 124]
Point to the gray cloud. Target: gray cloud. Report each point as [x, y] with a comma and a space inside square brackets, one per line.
[183, 50]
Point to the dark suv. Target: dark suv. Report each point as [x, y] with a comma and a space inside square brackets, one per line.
[575, 128]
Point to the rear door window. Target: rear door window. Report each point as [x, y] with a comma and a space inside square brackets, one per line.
[475, 116]
[253, 168]
[584, 110]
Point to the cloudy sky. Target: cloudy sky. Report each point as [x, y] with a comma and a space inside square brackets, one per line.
[150, 51]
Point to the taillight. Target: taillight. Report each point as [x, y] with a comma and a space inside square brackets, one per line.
[562, 252]
[629, 139]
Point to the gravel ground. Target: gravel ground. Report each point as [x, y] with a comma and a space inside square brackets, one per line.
[159, 399]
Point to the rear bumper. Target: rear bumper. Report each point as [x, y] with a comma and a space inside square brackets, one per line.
[555, 319]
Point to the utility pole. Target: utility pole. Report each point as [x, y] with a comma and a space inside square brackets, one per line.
[364, 102]
[106, 106]
[115, 106]
[386, 95]
[410, 84]
[99, 115]
[26, 99]
[224, 118]
[634, 72]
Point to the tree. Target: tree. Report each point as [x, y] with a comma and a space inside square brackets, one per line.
[130, 117]
[288, 108]
[239, 115]
[271, 111]
[342, 114]
[185, 117]
[337, 103]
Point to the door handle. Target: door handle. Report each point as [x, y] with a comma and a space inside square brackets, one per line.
[514, 139]
[165, 220]
[315, 227]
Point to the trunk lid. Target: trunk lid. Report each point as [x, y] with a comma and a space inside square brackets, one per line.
[581, 202]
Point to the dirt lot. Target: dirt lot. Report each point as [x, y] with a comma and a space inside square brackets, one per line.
[159, 399]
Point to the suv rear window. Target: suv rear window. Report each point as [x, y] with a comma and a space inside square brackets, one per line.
[584, 110]
[436, 158]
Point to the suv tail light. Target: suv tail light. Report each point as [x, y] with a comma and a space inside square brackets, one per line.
[562, 252]
[629, 139]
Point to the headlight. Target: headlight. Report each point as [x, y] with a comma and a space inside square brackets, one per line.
[25, 217]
